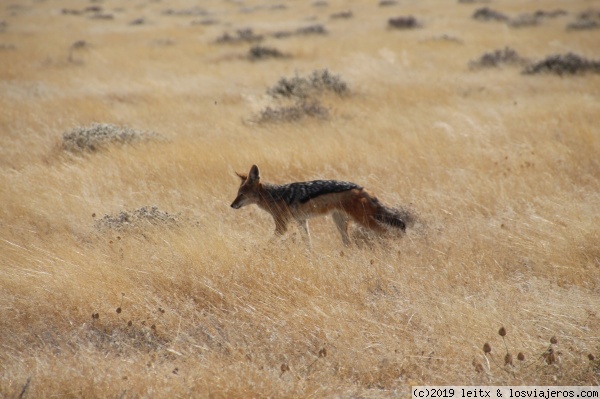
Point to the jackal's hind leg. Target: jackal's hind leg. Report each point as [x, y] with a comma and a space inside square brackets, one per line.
[341, 222]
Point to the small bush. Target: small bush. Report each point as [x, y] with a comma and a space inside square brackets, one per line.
[316, 29]
[92, 138]
[524, 20]
[137, 218]
[240, 36]
[300, 110]
[563, 64]
[303, 87]
[583, 24]
[487, 14]
[186, 12]
[257, 53]
[535, 18]
[342, 15]
[505, 56]
[407, 22]
[589, 19]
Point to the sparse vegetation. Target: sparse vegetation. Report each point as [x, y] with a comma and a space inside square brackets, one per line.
[104, 296]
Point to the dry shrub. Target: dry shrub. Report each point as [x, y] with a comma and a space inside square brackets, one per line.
[585, 20]
[315, 29]
[295, 112]
[98, 135]
[257, 53]
[563, 64]
[143, 216]
[342, 15]
[304, 92]
[487, 14]
[405, 22]
[315, 84]
[497, 58]
[186, 12]
[241, 36]
[523, 20]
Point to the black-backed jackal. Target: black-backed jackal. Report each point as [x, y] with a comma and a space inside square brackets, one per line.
[304, 200]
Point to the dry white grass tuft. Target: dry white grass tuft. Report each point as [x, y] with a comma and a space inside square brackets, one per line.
[501, 167]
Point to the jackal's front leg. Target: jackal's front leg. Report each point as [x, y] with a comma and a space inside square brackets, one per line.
[280, 228]
[304, 232]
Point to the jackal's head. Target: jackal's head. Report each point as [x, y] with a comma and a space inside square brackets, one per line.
[248, 192]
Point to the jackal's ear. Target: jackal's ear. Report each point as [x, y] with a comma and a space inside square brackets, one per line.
[254, 174]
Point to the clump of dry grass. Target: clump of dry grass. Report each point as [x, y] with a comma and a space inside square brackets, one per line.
[98, 135]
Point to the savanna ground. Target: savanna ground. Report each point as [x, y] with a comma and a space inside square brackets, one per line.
[103, 295]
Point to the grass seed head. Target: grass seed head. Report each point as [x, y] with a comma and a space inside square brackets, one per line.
[487, 348]
[554, 340]
[591, 357]
[521, 356]
[502, 331]
[508, 360]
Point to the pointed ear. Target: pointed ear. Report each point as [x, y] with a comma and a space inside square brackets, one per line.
[254, 175]
[241, 176]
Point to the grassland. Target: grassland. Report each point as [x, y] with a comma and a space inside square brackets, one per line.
[102, 295]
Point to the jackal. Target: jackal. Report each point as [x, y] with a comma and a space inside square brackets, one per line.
[301, 201]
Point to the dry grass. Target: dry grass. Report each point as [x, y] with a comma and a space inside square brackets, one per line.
[502, 168]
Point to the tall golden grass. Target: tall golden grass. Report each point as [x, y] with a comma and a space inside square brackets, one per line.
[502, 169]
